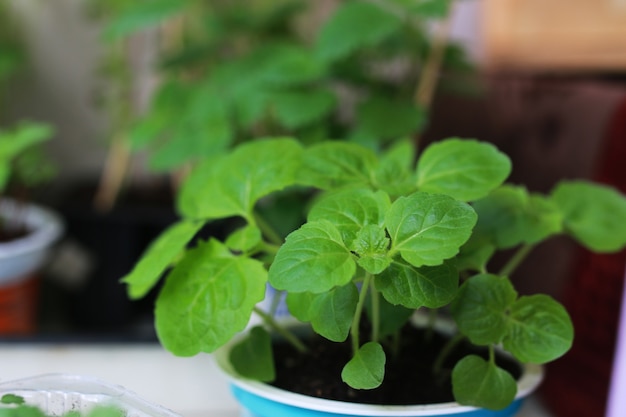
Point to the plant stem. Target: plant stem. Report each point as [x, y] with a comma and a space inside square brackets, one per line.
[356, 321]
[375, 313]
[516, 260]
[267, 230]
[429, 76]
[281, 330]
[445, 352]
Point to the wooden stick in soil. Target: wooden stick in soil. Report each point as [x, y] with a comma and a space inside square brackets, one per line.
[114, 173]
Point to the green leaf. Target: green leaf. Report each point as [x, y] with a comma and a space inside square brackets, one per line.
[231, 185]
[351, 210]
[510, 216]
[593, 214]
[463, 168]
[331, 312]
[394, 174]
[106, 411]
[207, 298]
[354, 25]
[366, 369]
[540, 329]
[427, 228]
[426, 9]
[428, 286]
[480, 383]
[295, 109]
[158, 257]
[283, 64]
[140, 15]
[22, 137]
[372, 247]
[244, 239]
[475, 254]
[338, 164]
[481, 308]
[299, 305]
[312, 259]
[202, 130]
[252, 357]
[12, 399]
[388, 119]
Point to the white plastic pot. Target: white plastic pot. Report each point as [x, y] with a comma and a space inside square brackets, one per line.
[20, 262]
[262, 400]
[22, 257]
[57, 394]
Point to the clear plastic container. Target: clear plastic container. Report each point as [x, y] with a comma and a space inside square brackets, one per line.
[57, 394]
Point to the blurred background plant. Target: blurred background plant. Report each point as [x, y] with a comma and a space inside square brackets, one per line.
[23, 162]
[228, 71]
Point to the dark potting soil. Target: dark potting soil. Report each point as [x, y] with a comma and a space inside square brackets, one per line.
[408, 375]
[9, 234]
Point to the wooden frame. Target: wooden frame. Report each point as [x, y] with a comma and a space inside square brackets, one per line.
[587, 35]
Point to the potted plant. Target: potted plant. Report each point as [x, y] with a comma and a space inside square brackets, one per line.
[387, 234]
[27, 231]
[239, 69]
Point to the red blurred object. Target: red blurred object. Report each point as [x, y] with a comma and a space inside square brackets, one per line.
[18, 307]
[577, 385]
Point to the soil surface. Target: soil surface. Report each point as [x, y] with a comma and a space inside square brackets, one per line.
[7, 235]
[408, 375]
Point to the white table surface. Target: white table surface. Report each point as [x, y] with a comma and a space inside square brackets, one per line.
[193, 387]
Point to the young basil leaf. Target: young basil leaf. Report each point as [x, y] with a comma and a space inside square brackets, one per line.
[232, 184]
[428, 286]
[207, 298]
[285, 64]
[352, 26]
[337, 164]
[481, 308]
[158, 257]
[481, 383]
[388, 119]
[394, 173]
[244, 239]
[509, 216]
[314, 259]
[366, 369]
[351, 210]
[252, 357]
[462, 168]
[372, 246]
[141, 15]
[295, 109]
[475, 254]
[299, 305]
[593, 214]
[332, 312]
[540, 330]
[428, 228]
[203, 129]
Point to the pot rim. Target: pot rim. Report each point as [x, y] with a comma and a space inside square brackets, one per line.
[46, 227]
[532, 376]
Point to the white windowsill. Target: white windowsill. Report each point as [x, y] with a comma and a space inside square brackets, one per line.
[193, 387]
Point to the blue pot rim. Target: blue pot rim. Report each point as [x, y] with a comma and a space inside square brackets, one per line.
[528, 382]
